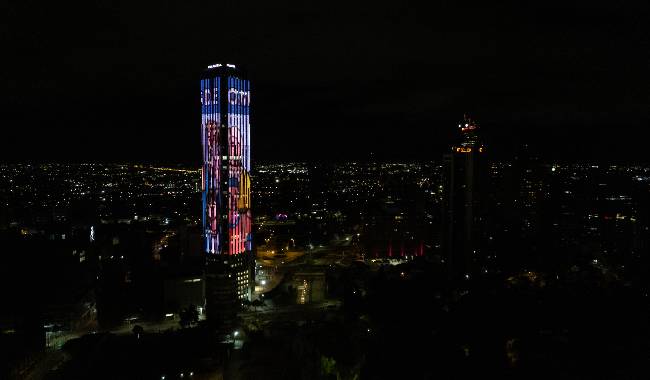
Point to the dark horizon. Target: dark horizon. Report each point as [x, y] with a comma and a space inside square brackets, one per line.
[117, 82]
[498, 152]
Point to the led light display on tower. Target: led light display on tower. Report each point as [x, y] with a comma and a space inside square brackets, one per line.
[225, 134]
[210, 131]
[226, 184]
[239, 216]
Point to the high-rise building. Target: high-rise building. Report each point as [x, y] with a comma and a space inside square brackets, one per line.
[465, 174]
[227, 240]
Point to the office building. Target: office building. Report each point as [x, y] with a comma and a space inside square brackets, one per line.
[465, 178]
[227, 241]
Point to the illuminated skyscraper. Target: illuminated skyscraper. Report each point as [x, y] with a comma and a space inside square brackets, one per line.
[463, 206]
[227, 240]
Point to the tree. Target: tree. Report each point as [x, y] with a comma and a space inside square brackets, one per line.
[137, 331]
[256, 303]
[328, 367]
[189, 316]
[247, 303]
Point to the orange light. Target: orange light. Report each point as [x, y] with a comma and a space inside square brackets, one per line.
[463, 149]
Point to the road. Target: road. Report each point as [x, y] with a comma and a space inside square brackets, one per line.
[290, 312]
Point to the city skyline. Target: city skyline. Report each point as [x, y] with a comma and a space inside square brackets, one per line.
[427, 191]
[119, 245]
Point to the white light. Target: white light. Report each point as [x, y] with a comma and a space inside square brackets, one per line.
[215, 66]
[236, 333]
[230, 65]
[263, 282]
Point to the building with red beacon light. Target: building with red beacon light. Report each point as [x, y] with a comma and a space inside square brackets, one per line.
[466, 174]
[225, 178]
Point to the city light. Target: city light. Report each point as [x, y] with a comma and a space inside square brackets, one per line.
[511, 241]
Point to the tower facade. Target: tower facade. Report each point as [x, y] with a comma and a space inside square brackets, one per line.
[466, 172]
[225, 175]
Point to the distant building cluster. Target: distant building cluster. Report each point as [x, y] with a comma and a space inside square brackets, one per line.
[118, 244]
[35, 195]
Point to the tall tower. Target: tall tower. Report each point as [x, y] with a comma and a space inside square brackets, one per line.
[225, 174]
[465, 173]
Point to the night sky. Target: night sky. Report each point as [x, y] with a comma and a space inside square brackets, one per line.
[119, 81]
